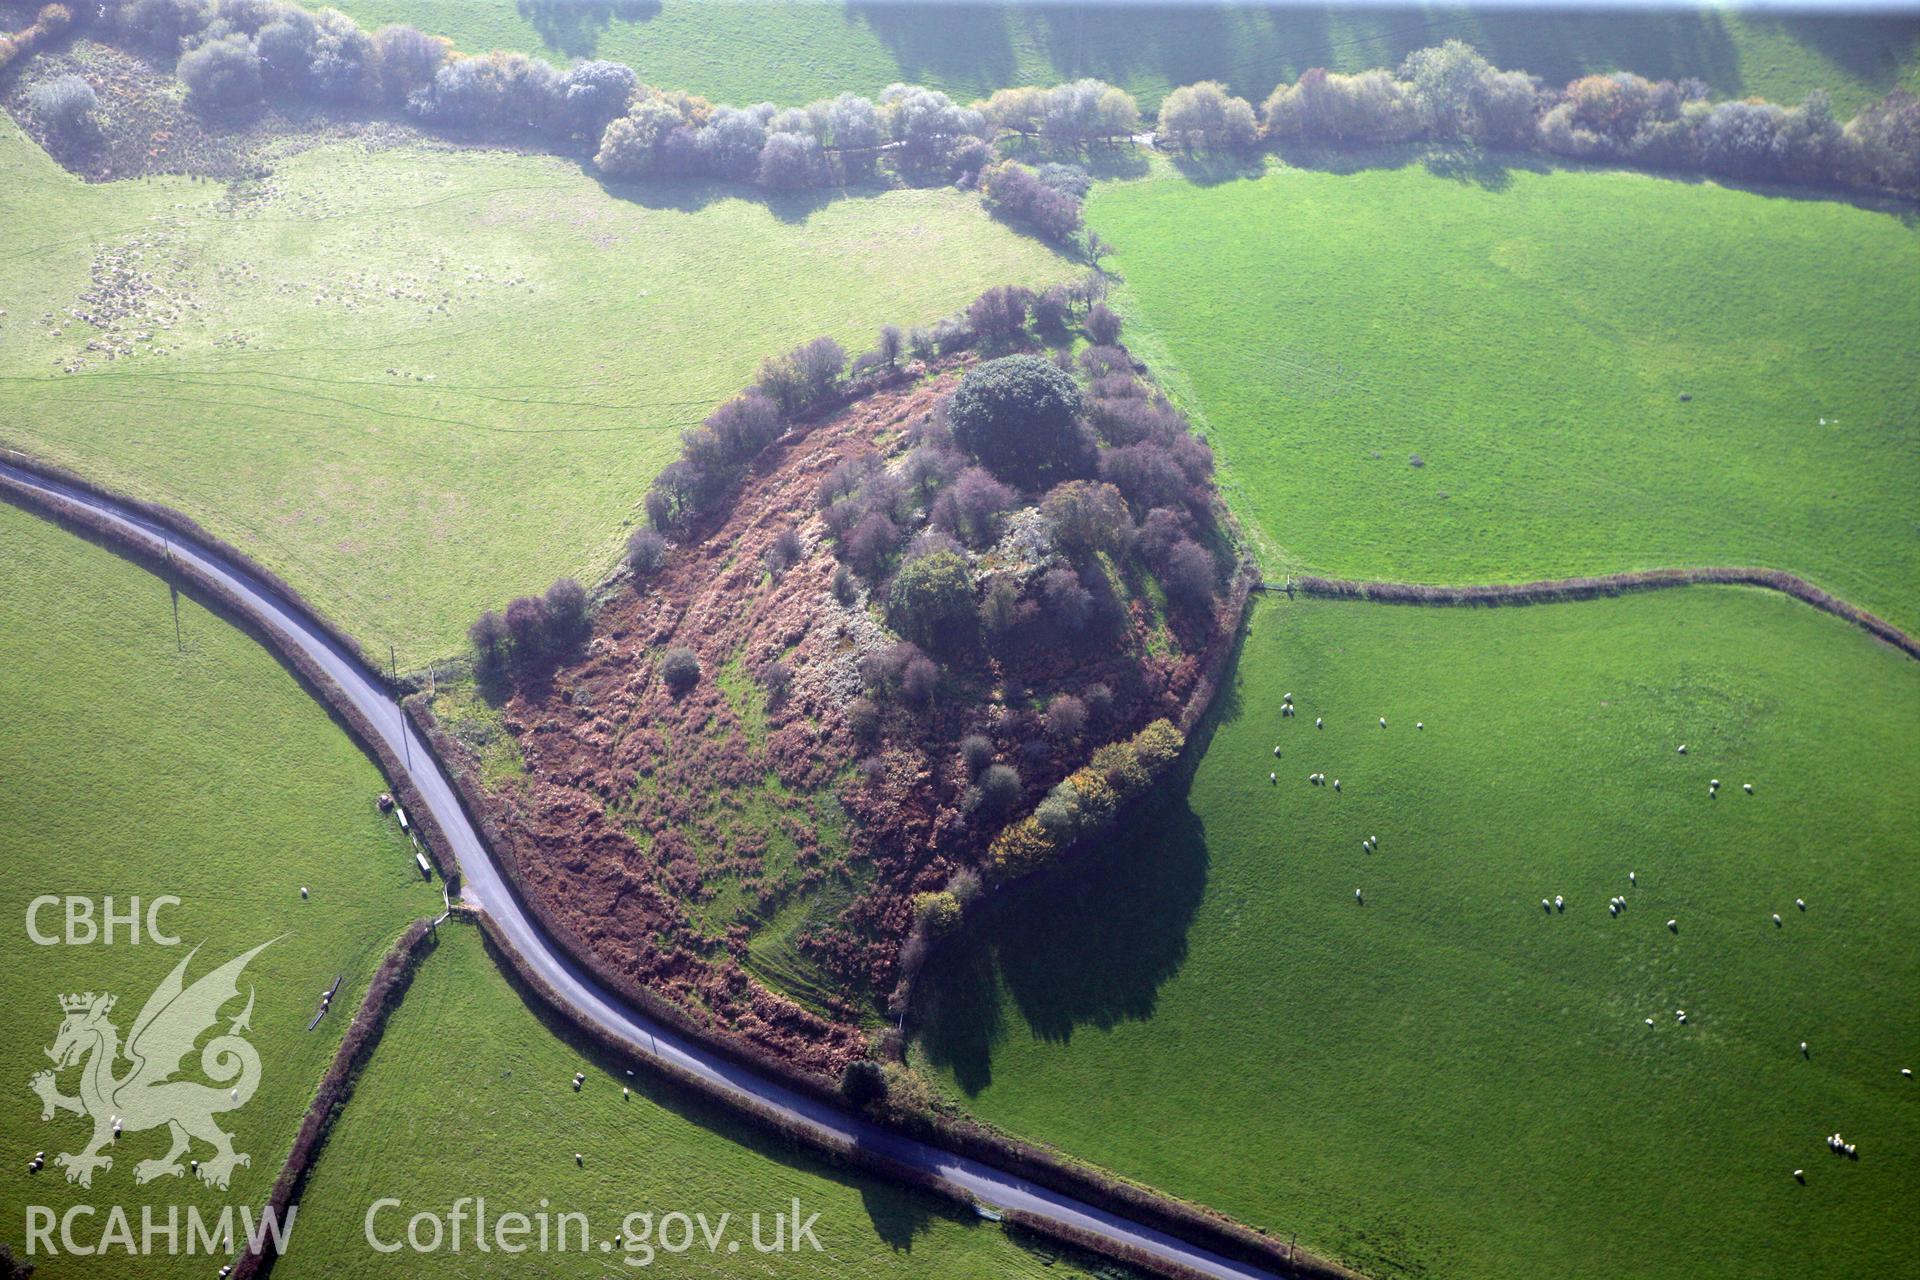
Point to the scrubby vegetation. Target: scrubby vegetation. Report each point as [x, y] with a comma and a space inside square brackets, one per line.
[1202, 1001]
[881, 615]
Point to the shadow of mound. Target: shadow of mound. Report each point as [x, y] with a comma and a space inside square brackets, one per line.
[1089, 944]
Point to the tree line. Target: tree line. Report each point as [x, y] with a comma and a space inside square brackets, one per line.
[234, 53]
[1450, 93]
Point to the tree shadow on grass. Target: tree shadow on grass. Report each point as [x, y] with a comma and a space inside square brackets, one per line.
[1211, 168]
[1089, 944]
[574, 27]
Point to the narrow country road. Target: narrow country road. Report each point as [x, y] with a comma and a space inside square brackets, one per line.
[485, 886]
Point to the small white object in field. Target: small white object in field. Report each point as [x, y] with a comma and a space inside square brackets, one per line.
[1633, 877]
[303, 891]
[1803, 1048]
[1799, 1175]
[1906, 1073]
[579, 1159]
[625, 1092]
[1680, 1016]
[1747, 787]
[1383, 722]
[1357, 897]
[1800, 903]
[1848, 1148]
[1649, 1021]
[1683, 748]
[1273, 778]
[1776, 919]
[1336, 784]
[1560, 903]
[1276, 748]
[1419, 724]
[1546, 906]
[1673, 926]
[1317, 722]
[1286, 697]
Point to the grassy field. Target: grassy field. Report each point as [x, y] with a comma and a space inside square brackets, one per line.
[418, 382]
[469, 1095]
[133, 767]
[793, 52]
[1530, 338]
[1447, 1080]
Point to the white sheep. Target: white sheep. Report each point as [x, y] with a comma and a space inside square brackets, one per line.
[1383, 722]
[1680, 1016]
[1776, 919]
[1714, 783]
[1276, 749]
[1803, 1049]
[1274, 778]
[1286, 697]
[1336, 784]
[1800, 1175]
[1683, 748]
[1649, 1021]
[1358, 898]
[1906, 1073]
[1747, 787]
[303, 891]
[1419, 724]
[1673, 926]
[1559, 903]
[1800, 903]
[1318, 723]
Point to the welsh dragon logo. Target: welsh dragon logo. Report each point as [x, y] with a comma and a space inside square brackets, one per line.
[146, 1095]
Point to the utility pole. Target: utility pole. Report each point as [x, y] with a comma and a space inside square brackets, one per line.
[173, 590]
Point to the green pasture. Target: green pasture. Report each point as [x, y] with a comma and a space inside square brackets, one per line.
[133, 764]
[471, 1094]
[1442, 372]
[793, 52]
[417, 382]
[1448, 1080]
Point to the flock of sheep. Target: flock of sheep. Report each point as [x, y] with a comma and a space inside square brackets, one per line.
[1616, 905]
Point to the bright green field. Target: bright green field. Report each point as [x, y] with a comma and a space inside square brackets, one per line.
[470, 1095]
[132, 768]
[1529, 337]
[794, 52]
[419, 382]
[1447, 1081]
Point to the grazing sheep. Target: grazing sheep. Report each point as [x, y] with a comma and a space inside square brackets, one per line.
[1649, 1021]
[303, 891]
[1800, 903]
[579, 1159]
[1274, 778]
[1673, 926]
[1714, 783]
[1906, 1073]
[625, 1092]
[1613, 908]
[1383, 722]
[1276, 749]
[1851, 1153]
[1803, 1050]
[1318, 723]
[1286, 697]
[1559, 903]
[1776, 919]
[1546, 906]
[1747, 787]
[1419, 724]
[1680, 1016]
[1358, 898]
[1800, 1176]
[1336, 784]
[1683, 748]
[1633, 878]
